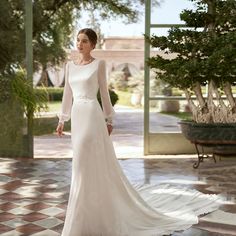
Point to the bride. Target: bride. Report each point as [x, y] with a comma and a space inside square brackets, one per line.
[102, 202]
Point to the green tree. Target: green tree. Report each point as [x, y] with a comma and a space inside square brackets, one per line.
[53, 26]
[94, 23]
[205, 55]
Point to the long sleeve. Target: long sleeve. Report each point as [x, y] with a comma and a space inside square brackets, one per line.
[108, 109]
[65, 113]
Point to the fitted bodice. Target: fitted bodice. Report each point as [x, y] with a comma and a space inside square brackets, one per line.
[83, 80]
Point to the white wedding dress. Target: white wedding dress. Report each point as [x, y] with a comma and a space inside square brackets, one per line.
[102, 202]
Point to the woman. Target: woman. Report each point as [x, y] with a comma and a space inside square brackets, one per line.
[102, 202]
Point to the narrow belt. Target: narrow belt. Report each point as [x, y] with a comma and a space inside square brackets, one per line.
[84, 97]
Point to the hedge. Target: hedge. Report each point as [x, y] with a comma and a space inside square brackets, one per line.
[55, 94]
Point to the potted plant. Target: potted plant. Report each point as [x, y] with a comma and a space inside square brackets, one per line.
[136, 86]
[204, 68]
[169, 105]
[117, 81]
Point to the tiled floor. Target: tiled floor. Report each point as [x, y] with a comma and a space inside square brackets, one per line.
[34, 193]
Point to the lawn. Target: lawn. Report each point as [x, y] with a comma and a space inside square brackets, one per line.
[124, 98]
[180, 115]
[54, 106]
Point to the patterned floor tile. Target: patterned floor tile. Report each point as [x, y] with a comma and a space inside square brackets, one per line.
[47, 232]
[12, 233]
[34, 192]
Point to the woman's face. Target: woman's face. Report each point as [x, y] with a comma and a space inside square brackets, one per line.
[83, 43]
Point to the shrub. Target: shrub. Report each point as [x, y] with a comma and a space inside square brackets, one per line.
[55, 94]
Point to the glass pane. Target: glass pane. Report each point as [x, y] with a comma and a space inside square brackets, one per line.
[165, 115]
[167, 12]
[159, 31]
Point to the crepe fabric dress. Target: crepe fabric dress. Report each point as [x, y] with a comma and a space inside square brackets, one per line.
[102, 202]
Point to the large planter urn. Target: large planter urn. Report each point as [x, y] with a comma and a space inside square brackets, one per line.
[211, 133]
[136, 98]
[170, 106]
[219, 137]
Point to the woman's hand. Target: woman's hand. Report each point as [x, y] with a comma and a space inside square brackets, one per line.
[59, 129]
[109, 128]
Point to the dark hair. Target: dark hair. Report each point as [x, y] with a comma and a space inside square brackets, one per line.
[91, 35]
